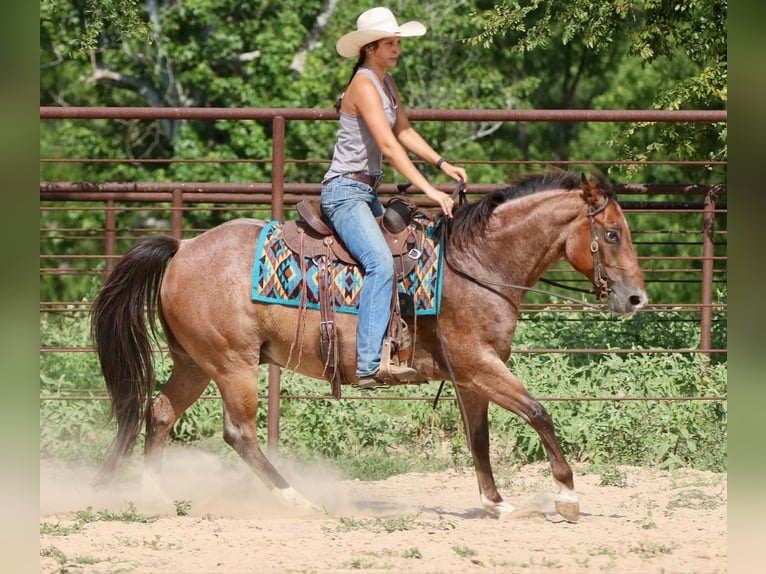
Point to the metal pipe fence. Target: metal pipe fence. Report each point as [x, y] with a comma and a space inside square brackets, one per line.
[169, 202]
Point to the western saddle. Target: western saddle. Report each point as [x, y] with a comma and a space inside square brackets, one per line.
[313, 238]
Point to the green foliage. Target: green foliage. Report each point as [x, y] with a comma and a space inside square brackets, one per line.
[71, 430]
[203, 420]
[682, 44]
[130, 514]
[329, 428]
[641, 432]
[87, 20]
[541, 54]
[377, 524]
[183, 507]
[645, 330]
[464, 551]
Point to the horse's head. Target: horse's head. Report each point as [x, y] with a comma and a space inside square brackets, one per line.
[602, 250]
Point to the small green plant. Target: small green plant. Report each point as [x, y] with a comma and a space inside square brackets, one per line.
[651, 550]
[602, 551]
[648, 523]
[376, 524]
[55, 553]
[157, 544]
[443, 524]
[613, 476]
[360, 564]
[154, 543]
[128, 515]
[183, 507]
[412, 553]
[464, 551]
[48, 529]
[693, 498]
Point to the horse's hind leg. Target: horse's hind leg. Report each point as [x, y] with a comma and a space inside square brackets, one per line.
[474, 407]
[185, 385]
[240, 405]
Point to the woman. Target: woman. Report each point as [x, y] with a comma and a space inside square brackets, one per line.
[373, 124]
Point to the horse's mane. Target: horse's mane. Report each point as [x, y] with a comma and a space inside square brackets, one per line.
[473, 217]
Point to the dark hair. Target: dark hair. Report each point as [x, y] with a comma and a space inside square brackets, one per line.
[358, 65]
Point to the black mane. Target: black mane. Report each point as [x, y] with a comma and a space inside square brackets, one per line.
[474, 216]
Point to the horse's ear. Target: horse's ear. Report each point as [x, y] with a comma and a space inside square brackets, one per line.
[589, 190]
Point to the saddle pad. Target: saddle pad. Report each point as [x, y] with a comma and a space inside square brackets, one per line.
[277, 275]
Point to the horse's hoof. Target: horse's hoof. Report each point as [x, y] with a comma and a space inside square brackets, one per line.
[497, 509]
[294, 499]
[568, 510]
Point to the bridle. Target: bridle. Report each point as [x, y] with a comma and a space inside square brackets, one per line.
[600, 279]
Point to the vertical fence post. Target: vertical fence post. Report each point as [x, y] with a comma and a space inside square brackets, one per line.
[708, 252]
[177, 214]
[277, 211]
[110, 235]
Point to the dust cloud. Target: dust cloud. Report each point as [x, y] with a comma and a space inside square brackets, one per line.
[199, 483]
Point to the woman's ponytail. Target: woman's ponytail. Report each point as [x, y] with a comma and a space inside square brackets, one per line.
[358, 65]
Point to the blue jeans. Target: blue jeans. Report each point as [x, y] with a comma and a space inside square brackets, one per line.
[351, 206]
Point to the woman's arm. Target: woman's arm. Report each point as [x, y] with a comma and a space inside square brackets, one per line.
[414, 142]
[363, 99]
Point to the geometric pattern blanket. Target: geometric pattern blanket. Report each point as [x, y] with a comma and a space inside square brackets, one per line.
[278, 275]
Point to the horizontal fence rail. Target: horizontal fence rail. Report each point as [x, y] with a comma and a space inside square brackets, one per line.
[168, 202]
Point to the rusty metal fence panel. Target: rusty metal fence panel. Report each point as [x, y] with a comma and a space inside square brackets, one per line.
[170, 201]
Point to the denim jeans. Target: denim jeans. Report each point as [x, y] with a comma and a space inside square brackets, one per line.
[351, 206]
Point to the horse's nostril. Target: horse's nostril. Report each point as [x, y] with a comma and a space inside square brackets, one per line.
[636, 300]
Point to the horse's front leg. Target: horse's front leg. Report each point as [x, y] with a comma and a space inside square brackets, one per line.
[504, 389]
[473, 408]
[566, 500]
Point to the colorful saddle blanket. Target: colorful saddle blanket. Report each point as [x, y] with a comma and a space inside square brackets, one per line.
[278, 274]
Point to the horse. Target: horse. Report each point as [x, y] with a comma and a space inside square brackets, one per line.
[495, 249]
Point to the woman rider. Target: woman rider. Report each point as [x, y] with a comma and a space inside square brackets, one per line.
[372, 125]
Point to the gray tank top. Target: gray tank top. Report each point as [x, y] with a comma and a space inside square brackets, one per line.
[355, 147]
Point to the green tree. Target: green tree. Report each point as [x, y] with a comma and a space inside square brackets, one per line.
[675, 53]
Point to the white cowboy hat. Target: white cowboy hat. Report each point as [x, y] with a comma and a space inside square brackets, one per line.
[372, 25]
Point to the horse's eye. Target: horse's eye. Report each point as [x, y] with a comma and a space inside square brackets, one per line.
[612, 235]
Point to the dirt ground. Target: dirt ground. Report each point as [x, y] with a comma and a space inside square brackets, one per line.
[634, 520]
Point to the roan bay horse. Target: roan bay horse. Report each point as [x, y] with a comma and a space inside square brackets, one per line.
[495, 248]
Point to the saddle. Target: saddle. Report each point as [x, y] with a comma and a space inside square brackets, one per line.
[313, 238]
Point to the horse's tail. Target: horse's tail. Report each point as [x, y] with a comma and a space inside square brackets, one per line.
[119, 316]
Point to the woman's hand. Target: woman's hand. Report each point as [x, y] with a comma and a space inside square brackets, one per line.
[456, 173]
[443, 200]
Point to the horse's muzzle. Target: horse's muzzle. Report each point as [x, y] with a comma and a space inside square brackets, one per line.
[627, 303]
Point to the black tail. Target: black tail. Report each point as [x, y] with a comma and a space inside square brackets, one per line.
[124, 344]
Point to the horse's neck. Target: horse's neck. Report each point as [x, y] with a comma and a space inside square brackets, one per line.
[528, 235]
